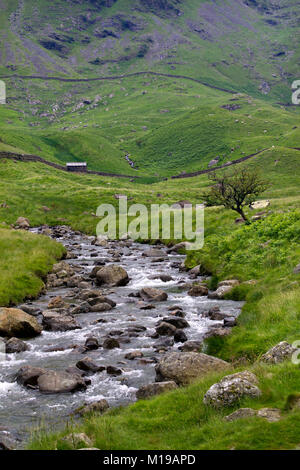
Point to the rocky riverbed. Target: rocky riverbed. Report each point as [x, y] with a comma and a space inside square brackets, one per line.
[110, 312]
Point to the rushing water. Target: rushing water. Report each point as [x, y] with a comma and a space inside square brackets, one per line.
[21, 408]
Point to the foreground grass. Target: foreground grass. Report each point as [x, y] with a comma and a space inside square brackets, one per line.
[24, 262]
[179, 420]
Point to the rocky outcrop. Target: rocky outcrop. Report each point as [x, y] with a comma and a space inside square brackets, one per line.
[156, 388]
[184, 368]
[16, 323]
[112, 276]
[231, 389]
[279, 353]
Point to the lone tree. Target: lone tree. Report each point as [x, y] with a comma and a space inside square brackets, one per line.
[235, 190]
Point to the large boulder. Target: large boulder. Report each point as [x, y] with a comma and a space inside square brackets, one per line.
[54, 321]
[60, 382]
[186, 367]
[231, 389]
[155, 389]
[154, 295]
[112, 276]
[279, 353]
[18, 324]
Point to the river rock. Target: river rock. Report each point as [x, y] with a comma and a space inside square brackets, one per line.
[180, 336]
[192, 346]
[28, 375]
[16, 323]
[88, 294]
[101, 300]
[195, 272]
[279, 353]
[54, 321]
[163, 344]
[111, 343]
[88, 365]
[96, 407]
[198, 291]
[111, 370]
[101, 307]
[56, 302]
[179, 247]
[186, 367]
[229, 322]
[15, 345]
[134, 355]
[176, 321]
[84, 307]
[91, 344]
[154, 295]
[166, 329]
[30, 309]
[162, 277]
[154, 253]
[6, 443]
[156, 388]
[60, 382]
[217, 332]
[112, 276]
[231, 389]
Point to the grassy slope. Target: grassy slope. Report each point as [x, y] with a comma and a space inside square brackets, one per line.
[174, 126]
[25, 260]
[194, 129]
